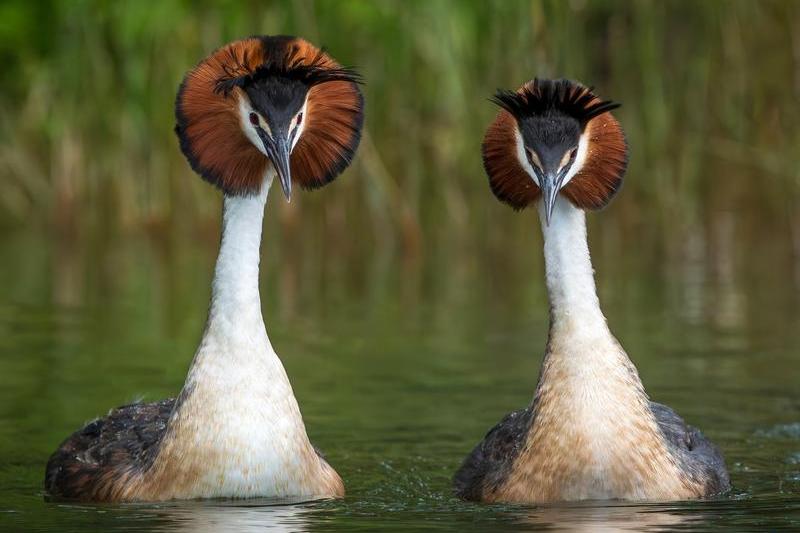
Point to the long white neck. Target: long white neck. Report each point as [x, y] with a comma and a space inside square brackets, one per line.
[237, 428]
[235, 300]
[235, 349]
[570, 277]
[594, 434]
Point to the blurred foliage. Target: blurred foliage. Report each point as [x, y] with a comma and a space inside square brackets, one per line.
[403, 295]
[710, 93]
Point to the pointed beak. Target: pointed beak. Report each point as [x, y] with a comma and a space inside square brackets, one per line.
[282, 165]
[550, 184]
[550, 175]
[277, 149]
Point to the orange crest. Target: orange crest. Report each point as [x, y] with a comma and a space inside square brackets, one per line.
[600, 177]
[601, 174]
[208, 121]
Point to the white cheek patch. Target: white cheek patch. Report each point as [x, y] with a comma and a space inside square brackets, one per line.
[245, 108]
[250, 132]
[523, 158]
[302, 124]
[577, 165]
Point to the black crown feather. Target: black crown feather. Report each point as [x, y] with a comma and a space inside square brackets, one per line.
[547, 96]
[286, 65]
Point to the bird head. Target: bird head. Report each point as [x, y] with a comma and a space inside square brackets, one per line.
[551, 137]
[270, 100]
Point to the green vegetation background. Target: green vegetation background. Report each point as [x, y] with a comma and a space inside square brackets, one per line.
[710, 94]
[407, 304]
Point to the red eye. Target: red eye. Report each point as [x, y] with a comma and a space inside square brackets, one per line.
[253, 119]
[299, 118]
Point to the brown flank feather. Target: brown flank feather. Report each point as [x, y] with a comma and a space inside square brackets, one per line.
[210, 131]
[591, 188]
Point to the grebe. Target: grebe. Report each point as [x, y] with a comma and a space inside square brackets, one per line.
[591, 431]
[254, 109]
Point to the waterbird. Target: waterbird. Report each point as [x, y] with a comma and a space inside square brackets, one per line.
[253, 110]
[591, 431]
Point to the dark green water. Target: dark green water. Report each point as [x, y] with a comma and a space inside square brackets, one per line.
[400, 366]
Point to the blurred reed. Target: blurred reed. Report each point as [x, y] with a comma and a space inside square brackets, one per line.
[710, 93]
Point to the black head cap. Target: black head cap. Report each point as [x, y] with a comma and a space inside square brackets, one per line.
[551, 115]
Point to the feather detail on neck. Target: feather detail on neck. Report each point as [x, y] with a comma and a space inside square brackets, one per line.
[569, 273]
[593, 435]
[236, 430]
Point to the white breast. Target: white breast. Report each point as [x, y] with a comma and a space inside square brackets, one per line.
[237, 429]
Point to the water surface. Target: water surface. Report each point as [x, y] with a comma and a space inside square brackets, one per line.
[400, 367]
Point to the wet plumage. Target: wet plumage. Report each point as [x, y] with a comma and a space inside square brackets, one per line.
[122, 443]
[489, 463]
